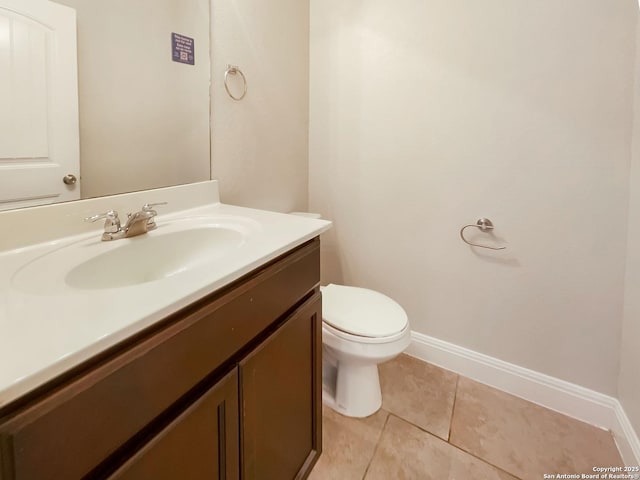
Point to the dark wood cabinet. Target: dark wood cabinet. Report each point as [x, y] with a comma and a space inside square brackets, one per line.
[202, 443]
[280, 398]
[227, 388]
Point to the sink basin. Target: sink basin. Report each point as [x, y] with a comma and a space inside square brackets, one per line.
[146, 259]
[173, 248]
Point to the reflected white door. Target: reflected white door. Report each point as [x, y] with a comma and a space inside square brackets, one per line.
[39, 136]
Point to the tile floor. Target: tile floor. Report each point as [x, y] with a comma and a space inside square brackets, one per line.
[436, 425]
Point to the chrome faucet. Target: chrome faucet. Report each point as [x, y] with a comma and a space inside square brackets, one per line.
[138, 223]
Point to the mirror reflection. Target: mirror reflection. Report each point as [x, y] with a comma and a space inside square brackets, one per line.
[143, 76]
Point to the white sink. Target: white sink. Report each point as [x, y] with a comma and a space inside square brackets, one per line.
[151, 258]
[173, 248]
[66, 296]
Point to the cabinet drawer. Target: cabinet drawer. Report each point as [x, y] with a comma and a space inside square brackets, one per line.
[72, 430]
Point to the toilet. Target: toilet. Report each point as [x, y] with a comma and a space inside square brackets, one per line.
[360, 329]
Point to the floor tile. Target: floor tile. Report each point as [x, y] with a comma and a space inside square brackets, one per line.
[523, 438]
[348, 445]
[418, 392]
[407, 453]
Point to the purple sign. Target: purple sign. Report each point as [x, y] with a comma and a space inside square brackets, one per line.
[182, 49]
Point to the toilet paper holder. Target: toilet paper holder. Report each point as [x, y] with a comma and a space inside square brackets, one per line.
[483, 224]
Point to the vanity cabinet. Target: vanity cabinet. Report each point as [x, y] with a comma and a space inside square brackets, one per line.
[228, 388]
[201, 443]
[280, 403]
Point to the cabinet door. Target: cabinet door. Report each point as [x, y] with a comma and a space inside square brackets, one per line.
[202, 443]
[281, 399]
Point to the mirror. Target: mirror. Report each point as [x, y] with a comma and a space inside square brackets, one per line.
[144, 116]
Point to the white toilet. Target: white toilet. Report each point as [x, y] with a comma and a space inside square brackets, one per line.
[361, 328]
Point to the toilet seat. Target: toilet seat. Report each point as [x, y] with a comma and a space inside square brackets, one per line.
[363, 340]
[360, 314]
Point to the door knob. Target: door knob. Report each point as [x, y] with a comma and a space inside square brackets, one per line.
[69, 179]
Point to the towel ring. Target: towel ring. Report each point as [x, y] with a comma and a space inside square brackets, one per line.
[483, 224]
[233, 70]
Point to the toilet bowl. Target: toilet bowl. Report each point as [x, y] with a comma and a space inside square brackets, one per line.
[360, 329]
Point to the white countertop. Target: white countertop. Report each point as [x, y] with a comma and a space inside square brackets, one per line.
[46, 331]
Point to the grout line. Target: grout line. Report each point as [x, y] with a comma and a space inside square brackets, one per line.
[483, 460]
[454, 446]
[453, 410]
[460, 448]
[453, 407]
[375, 449]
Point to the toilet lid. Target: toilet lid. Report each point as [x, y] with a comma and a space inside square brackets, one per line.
[361, 312]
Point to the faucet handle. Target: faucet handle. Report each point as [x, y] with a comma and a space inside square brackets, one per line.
[148, 207]
[112, 221]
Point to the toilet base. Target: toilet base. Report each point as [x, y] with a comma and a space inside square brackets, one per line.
[352, 390]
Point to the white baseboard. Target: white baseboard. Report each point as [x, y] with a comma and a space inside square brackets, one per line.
[626, 437]
[564, 397]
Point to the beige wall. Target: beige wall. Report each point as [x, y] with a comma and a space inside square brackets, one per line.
[144, 119]
[629, 385]
[260, 144]
[426, 115]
